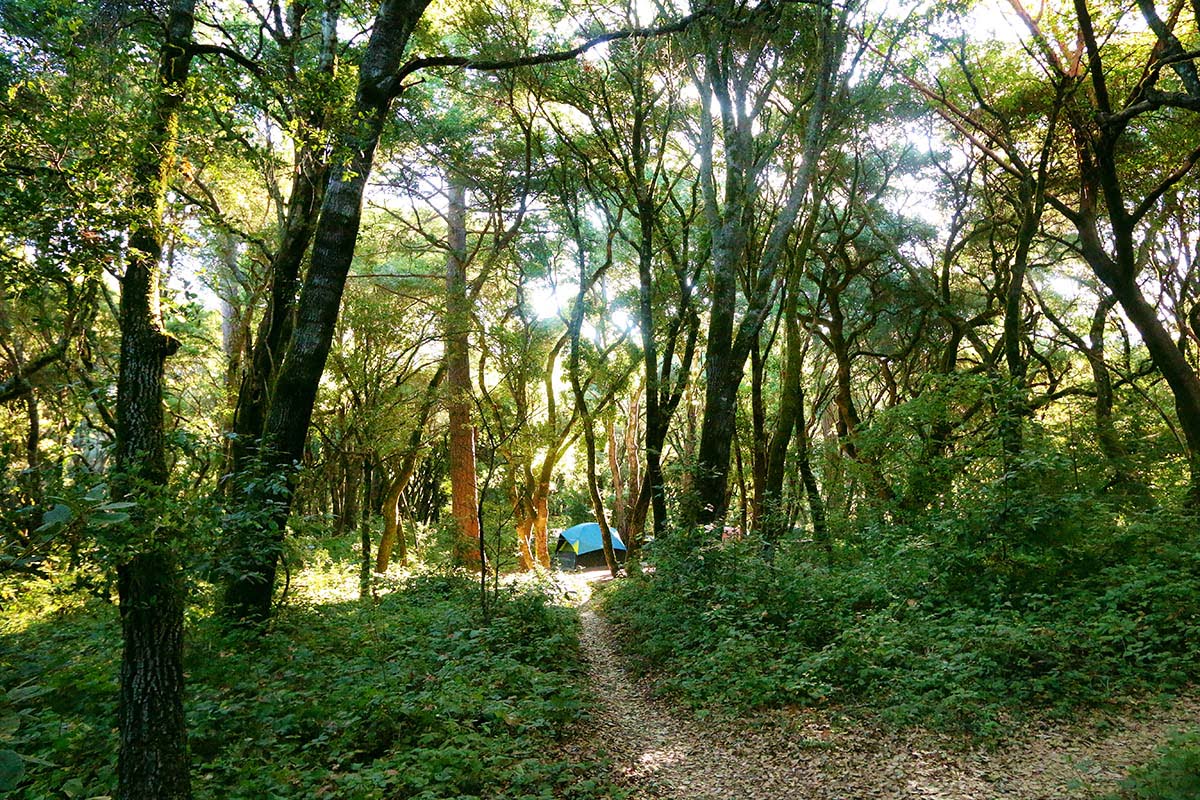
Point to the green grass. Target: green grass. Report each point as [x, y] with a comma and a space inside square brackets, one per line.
[413, 696]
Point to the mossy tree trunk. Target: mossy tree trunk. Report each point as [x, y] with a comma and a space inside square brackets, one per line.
[152, 758]
[258, 542]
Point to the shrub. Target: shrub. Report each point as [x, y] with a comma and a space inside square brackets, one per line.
[917, 633]
[414, 696]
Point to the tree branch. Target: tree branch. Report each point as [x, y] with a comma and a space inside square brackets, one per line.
[394, 85]
[1175, 177]
[232, 55]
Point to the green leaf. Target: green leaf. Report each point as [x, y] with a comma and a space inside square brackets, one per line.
[56, 516]
[12, 769]
[104, 518]
[9, 725]
[20, 694]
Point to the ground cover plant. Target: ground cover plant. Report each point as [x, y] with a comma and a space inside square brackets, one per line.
[917, 631]
[1173, 775]
[411, 696]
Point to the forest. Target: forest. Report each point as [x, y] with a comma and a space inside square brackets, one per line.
[865, 336]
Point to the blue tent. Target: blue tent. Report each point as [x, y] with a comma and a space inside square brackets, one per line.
[585, 537]
[578, 541]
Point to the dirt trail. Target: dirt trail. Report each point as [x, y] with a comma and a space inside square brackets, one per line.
[660, 752]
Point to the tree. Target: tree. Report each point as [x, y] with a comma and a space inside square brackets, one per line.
[631, 162]
[1118, 190]
[249, 591]
[463, 493]
[742, 68]
[153, 751]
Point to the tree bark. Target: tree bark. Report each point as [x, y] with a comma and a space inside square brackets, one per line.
[525, 558]
[350, 481]
[310, 172]
[463, 489]
[304, 206]
[541, 526]
[773, 517]
[760, 445]
[618, 480]
[152, 760]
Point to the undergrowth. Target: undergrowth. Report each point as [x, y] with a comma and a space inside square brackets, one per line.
[1173, 775]
[918, 632]
[411, 696]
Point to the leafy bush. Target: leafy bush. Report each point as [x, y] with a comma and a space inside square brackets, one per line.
[1174, 775]
[414, 696]
[918, 631]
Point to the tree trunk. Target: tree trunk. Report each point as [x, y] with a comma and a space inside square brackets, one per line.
[257, 544]
[791, 398]
[304, 207]
[525, 560]
[727, 351]
[393, 531]
[463, 490]
[760, 444]
[310, 175]
[364, 531]
[816, 505]
[848, 421]
[618, 480]
[1171, 362]
[350, 481]
[1107, 438]
[589, 429]
[153, 759]
[1113, 255]
[541, 526]
[1016, 405]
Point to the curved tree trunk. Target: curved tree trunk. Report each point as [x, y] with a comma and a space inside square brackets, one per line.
[310, 172]
[257, 545]
[525, 560]
[393, 530]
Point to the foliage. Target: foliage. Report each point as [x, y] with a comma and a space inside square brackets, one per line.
[922, 628]
[1173, 775]
[412, 696]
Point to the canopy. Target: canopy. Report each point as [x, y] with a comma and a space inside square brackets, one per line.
[585, 538]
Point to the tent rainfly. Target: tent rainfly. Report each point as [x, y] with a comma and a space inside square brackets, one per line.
[581, 546]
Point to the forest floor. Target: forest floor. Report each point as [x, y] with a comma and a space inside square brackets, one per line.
[657, 751]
